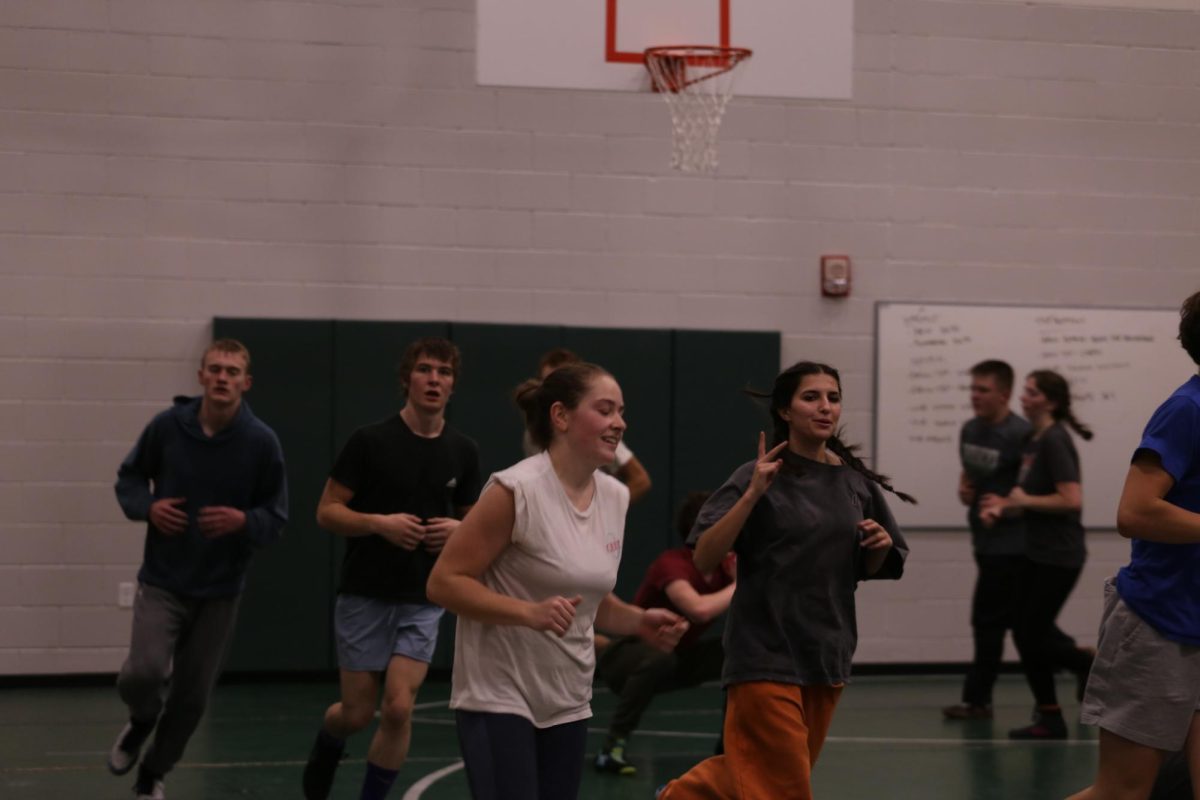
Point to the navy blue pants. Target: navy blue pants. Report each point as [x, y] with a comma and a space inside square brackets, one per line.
[507, 758]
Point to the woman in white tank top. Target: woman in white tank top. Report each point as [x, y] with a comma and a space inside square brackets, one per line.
[530, 573]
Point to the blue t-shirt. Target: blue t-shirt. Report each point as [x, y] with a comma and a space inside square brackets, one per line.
[1162, 581]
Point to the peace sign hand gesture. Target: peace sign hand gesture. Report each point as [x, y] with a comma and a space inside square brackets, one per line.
[766, 467]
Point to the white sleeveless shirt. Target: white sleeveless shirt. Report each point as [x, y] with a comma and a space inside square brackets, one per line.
[556, 550]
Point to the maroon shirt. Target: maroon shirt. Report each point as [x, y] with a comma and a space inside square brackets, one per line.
[677, 565]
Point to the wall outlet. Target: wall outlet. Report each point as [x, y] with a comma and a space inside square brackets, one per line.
[125, 592]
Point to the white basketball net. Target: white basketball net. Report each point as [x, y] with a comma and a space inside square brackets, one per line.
[697, 83]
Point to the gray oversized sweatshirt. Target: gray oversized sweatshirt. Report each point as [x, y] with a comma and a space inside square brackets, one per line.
[792, 619]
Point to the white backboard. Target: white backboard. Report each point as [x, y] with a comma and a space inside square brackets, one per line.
[802, 48]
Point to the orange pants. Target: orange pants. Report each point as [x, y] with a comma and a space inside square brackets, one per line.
[773, 735]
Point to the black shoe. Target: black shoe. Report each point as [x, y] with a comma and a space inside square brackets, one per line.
[1046, 725]
[149, 785]
[612, 760]
[125, 750]
[322, 765]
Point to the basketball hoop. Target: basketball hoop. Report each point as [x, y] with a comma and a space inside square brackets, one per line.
[697, 82]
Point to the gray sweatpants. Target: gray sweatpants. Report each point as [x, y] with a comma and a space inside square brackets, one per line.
[175, 654]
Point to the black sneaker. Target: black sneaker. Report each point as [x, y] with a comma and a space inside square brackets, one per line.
[1046, 725]
[125, 750]
[149, 785]
[322, 765]
[612, 760]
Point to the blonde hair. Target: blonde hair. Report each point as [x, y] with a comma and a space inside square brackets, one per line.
[231, 346]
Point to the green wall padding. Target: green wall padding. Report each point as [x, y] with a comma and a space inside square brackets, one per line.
[317, 381]
[286, 611]
[496, 358]
[366, 384]
[716, 425]
[640, 361]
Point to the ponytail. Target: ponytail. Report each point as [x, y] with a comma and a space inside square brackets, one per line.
[527, 397]
[1084, 431]
[1058, 391]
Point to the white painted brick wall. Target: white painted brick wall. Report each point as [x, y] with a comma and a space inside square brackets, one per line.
[165, 161]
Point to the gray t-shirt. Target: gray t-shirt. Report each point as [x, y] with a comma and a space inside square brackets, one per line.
[991, 458]
[1055, 539]
[792, 619]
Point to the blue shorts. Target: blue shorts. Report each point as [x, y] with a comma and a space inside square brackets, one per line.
[369, 632]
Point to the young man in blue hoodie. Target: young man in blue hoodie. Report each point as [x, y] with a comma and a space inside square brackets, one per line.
[208, 478]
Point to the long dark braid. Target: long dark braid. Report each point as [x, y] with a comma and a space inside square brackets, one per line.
[1058, 392]
[846, 453]
[780, 398]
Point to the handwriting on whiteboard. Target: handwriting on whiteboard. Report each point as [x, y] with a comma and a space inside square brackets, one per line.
[938, 382]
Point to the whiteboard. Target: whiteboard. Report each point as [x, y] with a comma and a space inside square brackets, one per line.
[1121, 364]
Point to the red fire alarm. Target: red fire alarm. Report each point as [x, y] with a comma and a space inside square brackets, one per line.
[835, 276]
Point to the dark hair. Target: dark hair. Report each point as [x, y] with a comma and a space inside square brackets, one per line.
[1058, 392]
[1000, 370]
[232, 346]
[559, 356]
[1189, 326]
[685, 517]
[429, 347]
[567, 385]
[786, 384]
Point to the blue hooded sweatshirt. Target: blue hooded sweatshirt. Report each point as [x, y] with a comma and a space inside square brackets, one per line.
[241, 466]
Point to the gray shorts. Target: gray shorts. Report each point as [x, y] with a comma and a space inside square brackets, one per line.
[1142, 687]
[369, 632]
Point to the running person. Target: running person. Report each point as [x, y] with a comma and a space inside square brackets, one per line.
[395, 492]
[1144, 691]
[208, 478]
[808, 521]
[990, 448]
[1050, 496]
[529, 572]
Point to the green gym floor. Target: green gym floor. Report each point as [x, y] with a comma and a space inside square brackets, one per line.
[888, 741]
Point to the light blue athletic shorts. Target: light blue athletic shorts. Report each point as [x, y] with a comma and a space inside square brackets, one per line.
[1143, 687]
[369, 632]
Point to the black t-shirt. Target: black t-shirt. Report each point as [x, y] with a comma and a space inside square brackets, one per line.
[991, 458]
[391, 470]
[1055, 539]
